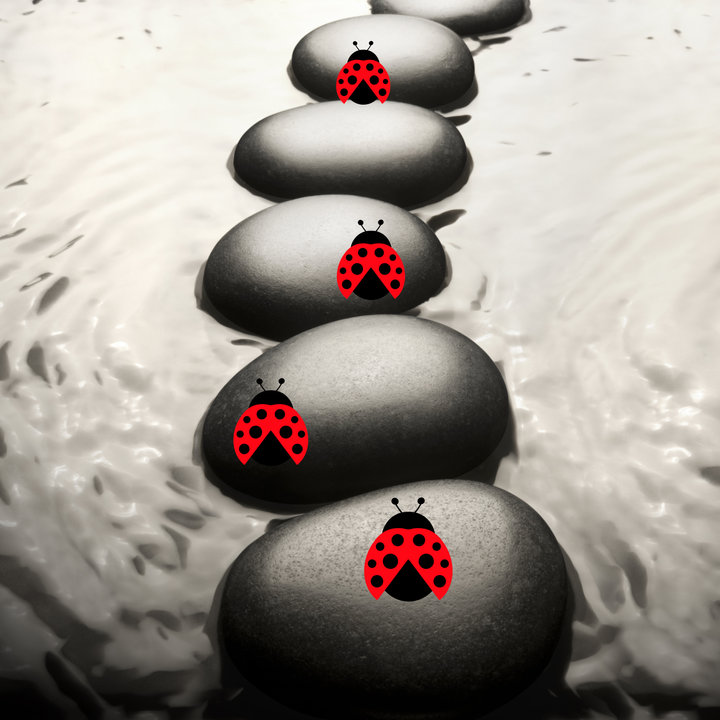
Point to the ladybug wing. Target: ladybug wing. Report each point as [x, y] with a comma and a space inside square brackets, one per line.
[289, 428]
[391, 271]
[432, 560]
[347, 279]
[377, 575]
[382, 88]
[244, 442]
[342, 87]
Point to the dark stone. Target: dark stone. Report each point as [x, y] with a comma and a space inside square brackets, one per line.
[428, 64]
[299, 622]
[395, 152]
[275, 274]
[465, 17]
[385, 399]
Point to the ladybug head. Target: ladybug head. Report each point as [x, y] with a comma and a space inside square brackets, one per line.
[363, 54]
[373, 237]
[408, 520]
[270, 397]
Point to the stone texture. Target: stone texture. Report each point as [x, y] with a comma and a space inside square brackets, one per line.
[385, 399]
[428, 64]
[465, 17]
[275, 274]
[395, 152]
[299, 622]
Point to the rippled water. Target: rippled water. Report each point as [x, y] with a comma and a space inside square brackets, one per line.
[585, 257]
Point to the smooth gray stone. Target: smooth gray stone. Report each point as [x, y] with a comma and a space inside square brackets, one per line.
[385, 398]
[465, 17]
[299, 622]
[428, 64]
[395, 152]
[275, 274]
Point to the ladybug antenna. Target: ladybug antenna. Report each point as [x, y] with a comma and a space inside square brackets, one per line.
[395, 502]
[355, 44]
[370, 45]
[360, 223]
[281, 381]
[259, 382]
[420, 502]
[380, 222]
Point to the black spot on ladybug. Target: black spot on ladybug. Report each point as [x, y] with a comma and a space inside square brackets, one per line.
[376, 581]
[301, 434]
[352, 79]
[380, 546]
[244, 449]
[362, 252]
[348, 257]
[398, 271]
[426, 561]
[374, 80]
[246, 419]
[371, 563]
[346, 284]
[398, 540]
[419, 540]
[285, 431]
[385, 82]
[394, 284]
[297, 449]
[255, 431]
[279, 414]
[393, 258]
[346, 71]
[382, 91]
[444, 563]
[379, 252]
[343, 92]
[381, 71]
[390, 561]
[356, 66]
[436, 546]
[384, 268]
[357, 269]
[439, 581]
[343, 271]
[341, 81]
[294, 419]
[369, 66]
[262, 414]
[239, 433]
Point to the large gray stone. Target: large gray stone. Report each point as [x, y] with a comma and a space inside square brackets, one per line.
[428, 64]
[385, 399]
[300, 623]
[275, 273]
[395, 152]
[465, 17]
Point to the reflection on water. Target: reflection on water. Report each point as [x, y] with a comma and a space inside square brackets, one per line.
[585, 260]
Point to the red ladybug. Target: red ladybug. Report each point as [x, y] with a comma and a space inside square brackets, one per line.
[363, 79]
[408, 560]
[270, 431]
[370, 270]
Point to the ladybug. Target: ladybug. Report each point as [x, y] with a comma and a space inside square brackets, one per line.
[270, 431]
[370, 270]
[362, 78]
[408, 560]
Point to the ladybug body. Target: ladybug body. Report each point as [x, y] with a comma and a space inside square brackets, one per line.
[408, 560]
[370, 268]
[363, 79]
[270, 431]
